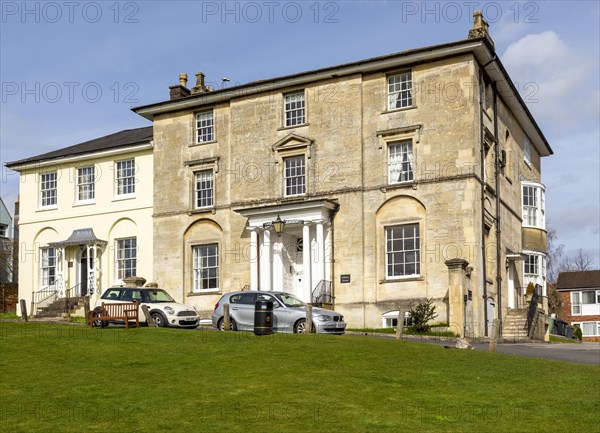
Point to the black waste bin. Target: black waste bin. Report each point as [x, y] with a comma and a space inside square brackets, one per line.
[263, 317]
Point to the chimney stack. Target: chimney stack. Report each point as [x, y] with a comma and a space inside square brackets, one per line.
[480, 28]
[180, 90]
[200, 87]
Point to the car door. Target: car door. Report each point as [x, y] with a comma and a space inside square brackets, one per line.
[243, 311]
[283, 316]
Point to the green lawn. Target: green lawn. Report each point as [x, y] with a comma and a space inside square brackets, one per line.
[68, 378]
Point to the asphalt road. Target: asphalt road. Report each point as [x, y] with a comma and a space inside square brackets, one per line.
[583, 353]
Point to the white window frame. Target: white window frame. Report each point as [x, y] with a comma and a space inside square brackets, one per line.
[294, 109]
[387, 319]
[86, 184]
[595, 328]
[48, 266]
[400, 162]
[125, 264]
[576, 303]
[48, 190]
[532, 261]
[399, 91]
[533, 202]
[391, 254]
[294, 176]
[205, 268]
[3, 231]
[204, 189]
[125, 178]
[205, 127]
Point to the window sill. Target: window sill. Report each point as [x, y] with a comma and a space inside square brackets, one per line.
[84, 203]
[412, 107]
[399, 185]
[211, 209]
[123, 197]
[293, 198]
[202, 143]
[283, 128]
[403, 279]
[47, 208]
[204, 293]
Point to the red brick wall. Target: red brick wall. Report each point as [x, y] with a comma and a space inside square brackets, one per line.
[566, 315]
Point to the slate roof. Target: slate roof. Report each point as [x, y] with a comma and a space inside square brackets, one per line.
[127, 137]
[79, 237]
[578, 280]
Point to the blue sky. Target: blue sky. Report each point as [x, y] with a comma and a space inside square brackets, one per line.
[70, 71]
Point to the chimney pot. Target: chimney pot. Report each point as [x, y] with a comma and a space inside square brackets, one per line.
[183, 79]
[480, 28]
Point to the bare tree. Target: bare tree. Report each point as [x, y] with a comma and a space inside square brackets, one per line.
[554, 252]
[582, 261]
[7, 249]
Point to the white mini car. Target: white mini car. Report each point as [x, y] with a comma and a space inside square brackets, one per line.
[163, 308]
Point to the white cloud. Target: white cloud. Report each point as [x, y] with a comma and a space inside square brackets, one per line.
[561, 79]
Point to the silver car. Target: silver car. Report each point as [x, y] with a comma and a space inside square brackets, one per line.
[289, 313]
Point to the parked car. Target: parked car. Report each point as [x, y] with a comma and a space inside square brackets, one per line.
[289, 313]
[164, 310]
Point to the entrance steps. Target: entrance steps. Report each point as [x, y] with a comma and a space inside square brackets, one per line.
[61, 306]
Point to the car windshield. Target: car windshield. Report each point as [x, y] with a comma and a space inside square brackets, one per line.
[290, 300]
[158, 296]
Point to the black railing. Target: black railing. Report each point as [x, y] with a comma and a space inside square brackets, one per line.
[322, 294]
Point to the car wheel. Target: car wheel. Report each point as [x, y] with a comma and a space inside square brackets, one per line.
[98, 323]
[300, 327]
[232, 324]
[159, 320]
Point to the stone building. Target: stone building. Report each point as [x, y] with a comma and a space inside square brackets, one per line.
[365, 185]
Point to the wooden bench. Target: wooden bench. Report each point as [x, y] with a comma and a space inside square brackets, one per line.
[125, 311]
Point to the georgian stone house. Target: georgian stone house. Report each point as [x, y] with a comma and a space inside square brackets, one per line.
[85, 218]
[365, 185]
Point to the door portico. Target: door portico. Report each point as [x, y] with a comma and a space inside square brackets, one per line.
[297, 259]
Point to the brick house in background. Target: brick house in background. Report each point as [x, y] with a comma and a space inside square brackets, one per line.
[580, 292]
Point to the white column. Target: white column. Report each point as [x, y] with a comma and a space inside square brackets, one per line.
[320, 253]
[510, 285]
[306, 262]
[61, 274]
[266, 262]
[328, 253]
[253, 259]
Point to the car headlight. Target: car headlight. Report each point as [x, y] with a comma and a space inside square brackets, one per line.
[169, 310]
[323, 318]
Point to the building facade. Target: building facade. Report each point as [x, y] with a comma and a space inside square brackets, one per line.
[366, 185]
[580, 293]
[85, 218]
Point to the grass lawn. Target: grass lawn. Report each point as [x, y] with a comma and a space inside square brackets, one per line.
[68, 378]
